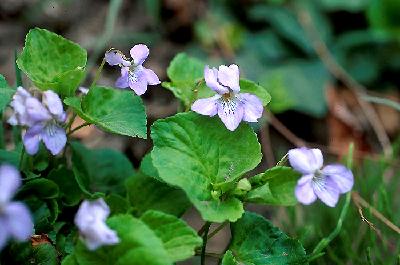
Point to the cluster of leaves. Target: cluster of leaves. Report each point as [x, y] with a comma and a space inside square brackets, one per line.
[195, 161]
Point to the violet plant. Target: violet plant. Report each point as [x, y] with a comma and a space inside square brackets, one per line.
[83, 206]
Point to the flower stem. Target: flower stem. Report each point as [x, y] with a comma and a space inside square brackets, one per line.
[21, 158]
[77, 128]
[205, 238]
[213, 233]
[325, 241]
[98, 72]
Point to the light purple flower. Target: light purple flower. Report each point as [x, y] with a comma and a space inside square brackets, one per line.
[325, 183]
[20, 116]
[42, 119]
[230, 105]
[133, 73]
[90, 220]
[15, 218]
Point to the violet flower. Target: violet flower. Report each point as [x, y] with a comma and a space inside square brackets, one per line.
[133, 73]
[230, 105]
[15, 218]
[90, 220]
[325, 183]
[42, 119]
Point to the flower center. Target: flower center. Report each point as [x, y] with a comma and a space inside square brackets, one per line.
[319, 180]
[51, 128]
[229, 103]
[134, 72]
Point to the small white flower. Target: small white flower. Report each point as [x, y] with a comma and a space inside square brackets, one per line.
[90, 220]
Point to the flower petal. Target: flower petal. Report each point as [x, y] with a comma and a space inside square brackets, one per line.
[229, 76]
[152, 78]
[36, 111]
[10, 181]
[139, 53]
[211, 78]
[54, 138]
[304, 160]
[342, 176]
[231, 113]
[4, 234]
[122, 81]
[54, 104]
[19, 98]
[115, 57]
[140, 85]
[90, 211]
[90, 220]
[32, 138]
[13, 120]
[252, 105]
[206, 106]
[19, 221]
[327, 191]
[304, 191]
[99, 234]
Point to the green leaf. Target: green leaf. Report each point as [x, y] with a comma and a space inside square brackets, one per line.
[336, 5]
[285, 22]
[247, 86]
[42, 188]
[256, 241]
[3, 82]
[52, 62]
[114, 110]
[11, 157]
[44, 254]
[199, 155]
[179, 239]
[138, 245]
[292, 88]
[184, 72]
[147, 167]
[69, 260]
[100, 170]
[275, 186]
[6, 93]
[117, 204]
[26, 254]
[147, 193]
[70, 192]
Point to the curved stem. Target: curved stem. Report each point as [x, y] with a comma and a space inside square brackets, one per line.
[77, 128]
[205, 238]
[325, 241]
[21, 158]
[213, 233]
[98, 72]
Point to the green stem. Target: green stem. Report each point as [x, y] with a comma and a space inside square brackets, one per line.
[77, 128]
[205, 238]
[71, 120]
[21, 158]
[325, 241]
[98, 72]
